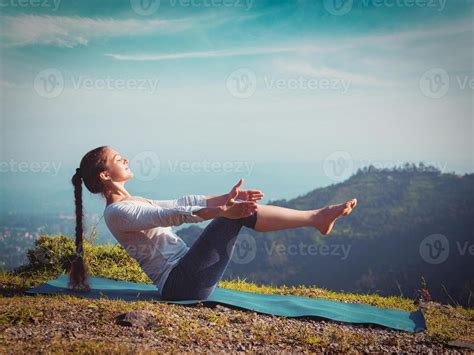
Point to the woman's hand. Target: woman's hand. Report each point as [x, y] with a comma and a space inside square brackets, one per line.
[245, 195]
[235, 194]
[235, 210]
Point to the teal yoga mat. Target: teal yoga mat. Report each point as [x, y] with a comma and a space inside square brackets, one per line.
[280, 305]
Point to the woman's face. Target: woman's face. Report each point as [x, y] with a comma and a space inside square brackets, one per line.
[117, 166]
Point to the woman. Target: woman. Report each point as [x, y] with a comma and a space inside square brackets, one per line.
[143, 227]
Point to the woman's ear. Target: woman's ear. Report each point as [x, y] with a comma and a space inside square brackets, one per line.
[104, 175]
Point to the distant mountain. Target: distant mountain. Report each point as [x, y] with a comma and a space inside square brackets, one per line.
[410, 222]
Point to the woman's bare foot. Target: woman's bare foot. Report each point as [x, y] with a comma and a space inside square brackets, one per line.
[325, 218]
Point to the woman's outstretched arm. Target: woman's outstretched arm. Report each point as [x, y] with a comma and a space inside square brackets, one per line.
[194, 200]
[212, 200]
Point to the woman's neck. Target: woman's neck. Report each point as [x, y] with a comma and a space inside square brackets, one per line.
[117, 197]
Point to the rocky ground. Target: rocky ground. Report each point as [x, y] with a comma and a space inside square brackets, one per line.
[57, 324]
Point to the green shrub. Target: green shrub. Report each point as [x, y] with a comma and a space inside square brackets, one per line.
[52, 255]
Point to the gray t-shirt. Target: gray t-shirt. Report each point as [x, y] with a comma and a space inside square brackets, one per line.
[143, 229]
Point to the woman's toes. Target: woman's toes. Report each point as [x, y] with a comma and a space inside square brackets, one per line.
[348, 207]
[353, 202]
[346, 211]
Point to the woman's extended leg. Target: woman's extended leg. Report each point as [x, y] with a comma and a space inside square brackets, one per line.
[272, 218]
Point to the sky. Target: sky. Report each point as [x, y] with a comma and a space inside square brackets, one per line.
[187, 83]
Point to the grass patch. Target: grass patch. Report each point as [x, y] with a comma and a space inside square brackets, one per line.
[51, 257]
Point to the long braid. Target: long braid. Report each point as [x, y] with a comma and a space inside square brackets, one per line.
[92, 164]
[78, 276]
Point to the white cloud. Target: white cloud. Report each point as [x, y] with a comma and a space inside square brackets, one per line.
[306, 69]
[317, 45]
[399, 39]
[63, 31]
[69, 32]
[216, 54]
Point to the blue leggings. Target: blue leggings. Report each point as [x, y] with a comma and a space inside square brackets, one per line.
[197, 273]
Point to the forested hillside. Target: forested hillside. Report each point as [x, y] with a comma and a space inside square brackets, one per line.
[410, 223]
